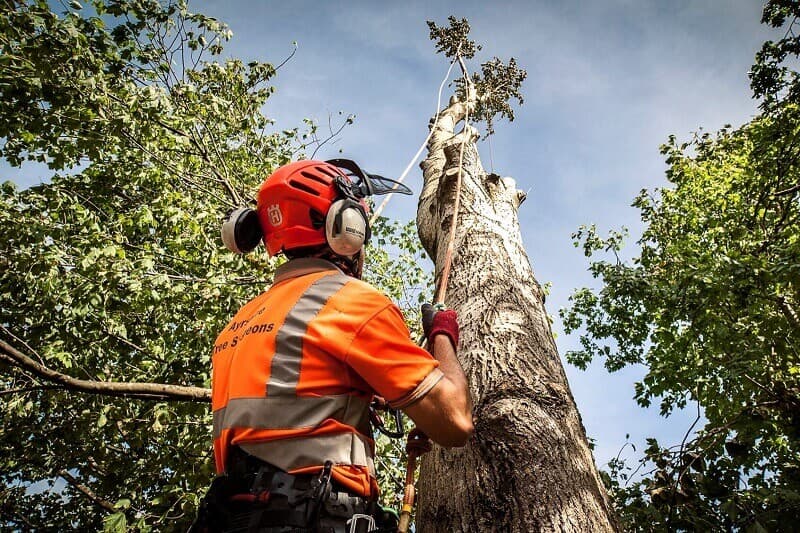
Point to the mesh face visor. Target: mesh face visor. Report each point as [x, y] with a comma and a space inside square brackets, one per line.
[380, 185]
[362, 184]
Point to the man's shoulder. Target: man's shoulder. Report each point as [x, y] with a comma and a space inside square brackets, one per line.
[363, 292]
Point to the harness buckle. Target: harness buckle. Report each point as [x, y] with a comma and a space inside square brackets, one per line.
[321, 487]
[361, 523]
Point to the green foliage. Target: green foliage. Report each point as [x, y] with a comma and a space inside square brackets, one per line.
[496, 84]
[114, 271]
[710, 307]
[690, 490]
[453, 40]
[773, 77]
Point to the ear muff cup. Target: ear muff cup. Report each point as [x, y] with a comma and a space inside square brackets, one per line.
[346, 227]
[241, 232]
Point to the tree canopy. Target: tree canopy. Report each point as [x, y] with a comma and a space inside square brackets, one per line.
[709, 304]
[112, 271]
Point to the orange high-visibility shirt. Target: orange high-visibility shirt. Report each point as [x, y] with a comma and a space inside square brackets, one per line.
[295, 370]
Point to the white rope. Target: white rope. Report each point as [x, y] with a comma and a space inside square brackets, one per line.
[421, 148]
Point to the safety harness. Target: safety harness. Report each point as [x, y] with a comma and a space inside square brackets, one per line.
[258, 497]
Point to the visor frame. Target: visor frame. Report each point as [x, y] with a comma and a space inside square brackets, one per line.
[362, 184]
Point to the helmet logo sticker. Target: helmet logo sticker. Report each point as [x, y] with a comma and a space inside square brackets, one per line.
[274, 214]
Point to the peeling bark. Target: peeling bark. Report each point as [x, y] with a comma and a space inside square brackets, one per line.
[528, 467]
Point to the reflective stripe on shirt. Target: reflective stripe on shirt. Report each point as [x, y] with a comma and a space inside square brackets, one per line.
[281, 408]
[291, 454]
[296, 367]
[293, 412]
[285, 369]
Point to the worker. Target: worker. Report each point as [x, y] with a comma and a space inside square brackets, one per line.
[295, 370]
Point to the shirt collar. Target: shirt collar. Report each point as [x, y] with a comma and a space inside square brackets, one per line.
[302, 266]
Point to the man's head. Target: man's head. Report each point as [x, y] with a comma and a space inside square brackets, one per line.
[309, 204]
[311, 208]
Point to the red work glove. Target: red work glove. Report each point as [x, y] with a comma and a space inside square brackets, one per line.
[439, 322]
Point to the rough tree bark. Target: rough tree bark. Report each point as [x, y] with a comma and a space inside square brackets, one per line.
[528, 467]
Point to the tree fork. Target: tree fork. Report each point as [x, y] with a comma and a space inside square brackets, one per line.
[528, 467]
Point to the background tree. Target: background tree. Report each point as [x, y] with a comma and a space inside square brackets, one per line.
[112, 272]
[528, 467]
[710, 305]
[113, 279]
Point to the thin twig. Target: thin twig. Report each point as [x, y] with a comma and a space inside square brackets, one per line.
[333, 134]
[288, 58]
[790, 190]
[22, 342]
[30, 389]
[86, 491]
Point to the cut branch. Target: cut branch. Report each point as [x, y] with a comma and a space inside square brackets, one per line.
[145, 391]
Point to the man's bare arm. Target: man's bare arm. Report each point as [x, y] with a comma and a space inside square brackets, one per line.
[445, 413]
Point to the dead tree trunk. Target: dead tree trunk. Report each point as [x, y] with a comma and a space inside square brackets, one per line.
[528, 467]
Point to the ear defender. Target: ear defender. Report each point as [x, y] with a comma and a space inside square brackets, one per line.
[346, 227]
[241, 232]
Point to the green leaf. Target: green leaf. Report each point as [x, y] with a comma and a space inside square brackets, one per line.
[115, 523]
[124, 503]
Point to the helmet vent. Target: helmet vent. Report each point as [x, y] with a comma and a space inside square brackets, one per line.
[314, 177]
[326, 171]
[303, 187]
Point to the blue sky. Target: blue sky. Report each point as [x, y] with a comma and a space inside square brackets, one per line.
[608, 81]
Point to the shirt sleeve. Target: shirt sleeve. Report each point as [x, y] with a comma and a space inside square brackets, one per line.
[383, 354]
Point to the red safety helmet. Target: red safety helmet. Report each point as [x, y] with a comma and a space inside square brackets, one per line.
[306, 204]
[293, 202]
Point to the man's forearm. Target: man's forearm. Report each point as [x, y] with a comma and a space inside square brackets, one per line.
[445, 412]
[444, 352]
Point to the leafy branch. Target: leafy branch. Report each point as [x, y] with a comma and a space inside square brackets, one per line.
[144, 391]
